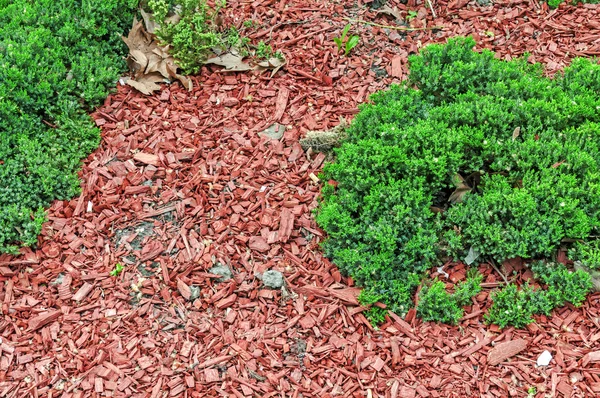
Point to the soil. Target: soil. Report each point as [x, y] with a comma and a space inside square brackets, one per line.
[222, 194]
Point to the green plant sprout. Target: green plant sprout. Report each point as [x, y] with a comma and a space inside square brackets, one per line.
[117, 270]
[345, 42]
[411, 14]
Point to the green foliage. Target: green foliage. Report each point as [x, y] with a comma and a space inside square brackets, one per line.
[571, 287]
[117, 270]
[436, 304]
[588, 253]
[526, 148]
[556, 3]
[513, 306]
[471, 287]
[346, 42]
[57, 59]
[194, 36]
[192, 30]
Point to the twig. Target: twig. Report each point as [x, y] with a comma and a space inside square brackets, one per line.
[391, 27]
[498, 271]
[431, 7]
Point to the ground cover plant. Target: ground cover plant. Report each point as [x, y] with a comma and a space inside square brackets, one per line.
[472, 156]
[57, 59]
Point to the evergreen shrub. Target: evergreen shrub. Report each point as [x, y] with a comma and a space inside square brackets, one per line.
[472, 154]
[57, 59]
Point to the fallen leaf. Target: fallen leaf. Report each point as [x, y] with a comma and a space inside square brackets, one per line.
[146, 84]
[149, 22]
[231, 61]
[516, 133]
[472, 256]
[148, 60]
[392, 12]
[462, 188]
[272, 63]
[274, 132]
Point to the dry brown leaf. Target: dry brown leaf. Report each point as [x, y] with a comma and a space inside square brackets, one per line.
[392, 12]
[272, 63]
[149, 22]
[149, 62]
[146, 84]
[230, 61]
[516, 133]
[461, 189]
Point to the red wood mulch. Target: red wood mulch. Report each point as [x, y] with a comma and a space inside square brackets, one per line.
[182, 181]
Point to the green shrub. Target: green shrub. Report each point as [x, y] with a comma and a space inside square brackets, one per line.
[522, 149]
[588, 253]
[436, 304]
[513, 306]
[57, 59]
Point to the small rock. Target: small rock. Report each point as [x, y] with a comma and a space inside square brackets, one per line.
[194, 292]
[59, 279]
[273, 279]
[544, 358]
[223, 270]
[275, 131]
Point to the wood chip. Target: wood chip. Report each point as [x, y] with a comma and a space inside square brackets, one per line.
[501, 352]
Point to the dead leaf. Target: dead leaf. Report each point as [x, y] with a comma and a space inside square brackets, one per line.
[150, 62]
[392, 12]
[231, 61]
[461, 189]
[145, 84]
[555, 165]
[272, 63]
[516, 133]
[149, 22]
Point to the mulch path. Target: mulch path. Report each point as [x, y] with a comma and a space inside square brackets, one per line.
[182, 181]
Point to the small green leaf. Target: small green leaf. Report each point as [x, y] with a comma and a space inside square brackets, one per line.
[345, 32]
[338, 42]
[351, 43]
[117, 270]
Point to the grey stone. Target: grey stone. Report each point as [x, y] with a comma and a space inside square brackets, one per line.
[273, 279]
[223, 270]
[275, 131]
[194, 292]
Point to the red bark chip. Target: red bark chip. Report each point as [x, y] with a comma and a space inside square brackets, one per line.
[407, 392]
[505, 350]
[83, 291]
[43, 319]
[184, 289]
[147, 158]
[397, 66]
[258, 243]
[281, 103]
[286, 224]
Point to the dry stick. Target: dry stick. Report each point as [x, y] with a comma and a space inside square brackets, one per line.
[498, 271]
[391, 27]
[297, 39]
[431, 7]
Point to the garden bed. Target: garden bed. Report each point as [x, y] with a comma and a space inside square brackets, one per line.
[193, 167]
